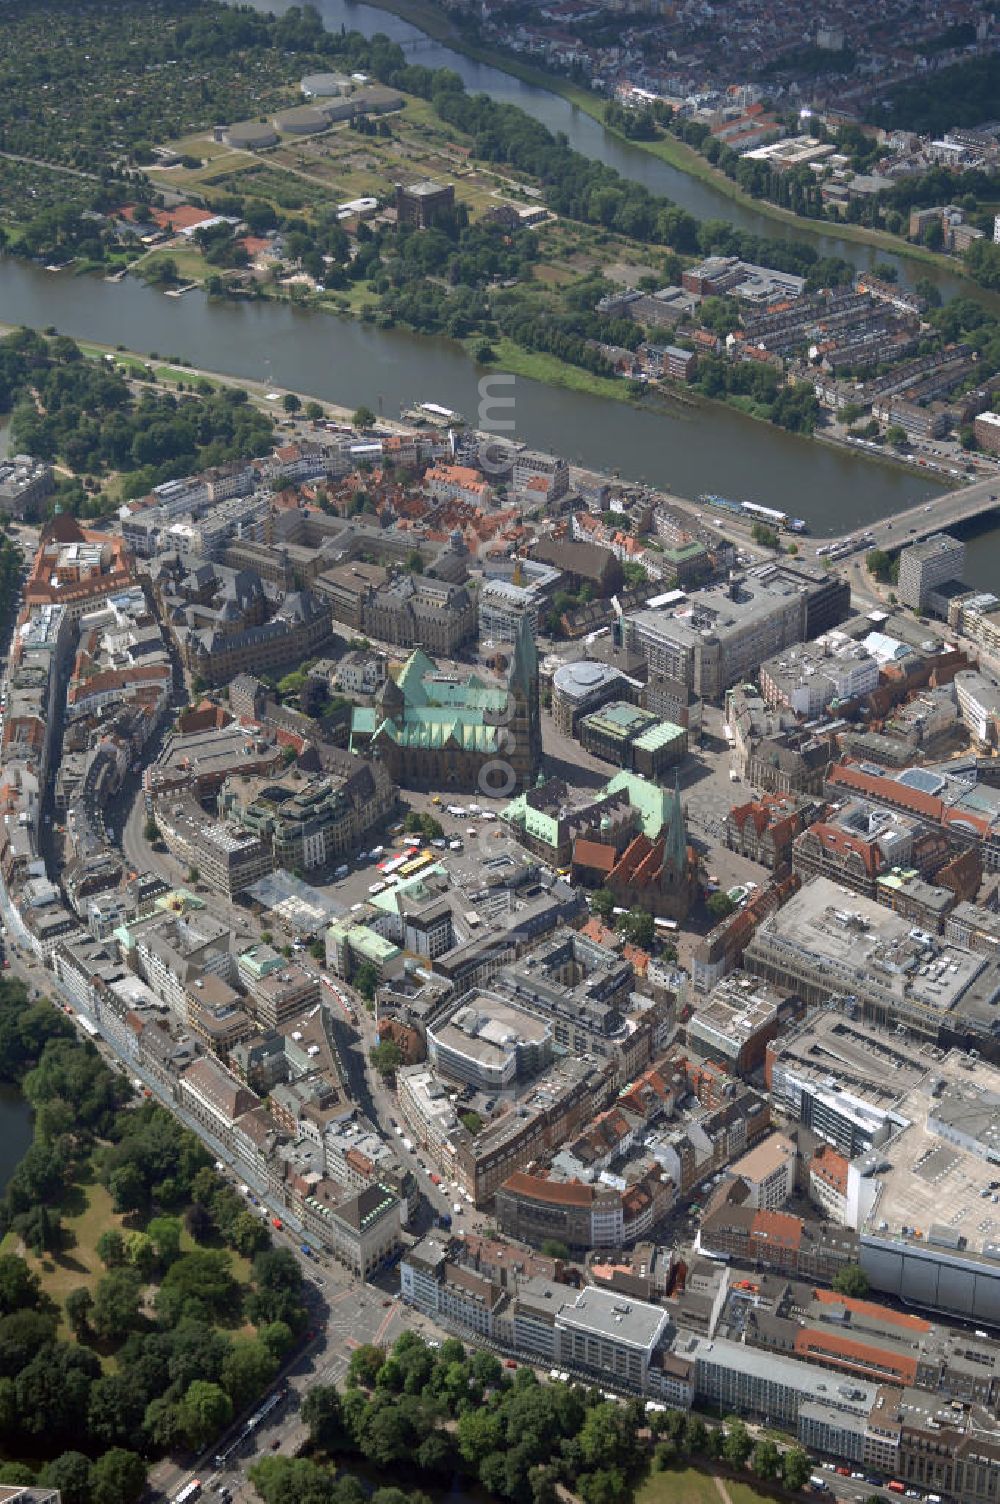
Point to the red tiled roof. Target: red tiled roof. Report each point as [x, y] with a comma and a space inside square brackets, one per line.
[180, 217]
[593, 854]
[887, 1314]
[848, 1352]
[561, 1192]
[846, 775]
[831, 1167]
[779, 1229]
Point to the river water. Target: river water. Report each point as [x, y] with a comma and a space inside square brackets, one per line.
[703, 199]
[15, 1131]
[687, 450]
[707, 447]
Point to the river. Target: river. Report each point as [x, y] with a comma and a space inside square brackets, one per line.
[15, 1132]
[707, 447]
[587, 135]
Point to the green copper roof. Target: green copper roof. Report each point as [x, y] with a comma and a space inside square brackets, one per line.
[412, 675]
[652, 802]
[661, 734]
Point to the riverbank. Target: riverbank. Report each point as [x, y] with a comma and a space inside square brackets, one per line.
[668, 149]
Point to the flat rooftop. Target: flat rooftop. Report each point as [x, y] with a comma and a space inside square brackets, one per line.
[858, 942]
[880, 1069]
[935, 1187]
[614, 1316]
[487, 1029]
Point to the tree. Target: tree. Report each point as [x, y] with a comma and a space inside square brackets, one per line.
[365, 980]
[18, 1286]
[194, 873]
[638, 927]
[766, 1460]
[203, 1412]
[116, 1304]
[602, 903]
[201, 1282]
[737, 1445]
[386, 1057]
[933, 235]
[895, 435]
[851, 1281]
[165, 1235]
[79, 1306]
[291, 403]
[247, 1370]
[116, 1409]
[472, 1121]
[363, 418]
[151, 830]
[118, 1477]
[553, 1249]
[140, 1252]
[70, 1474]
[765, 536]
[694, 1435]
[364, 1366]
[796, 1467]
[323, 1412]
[880, 565]
[277, 1277]
[720, 905]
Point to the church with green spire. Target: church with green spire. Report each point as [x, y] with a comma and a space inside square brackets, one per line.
[475, 734]
[631, 837]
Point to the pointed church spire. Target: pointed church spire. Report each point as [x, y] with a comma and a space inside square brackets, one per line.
[524, 662]
[675, 855]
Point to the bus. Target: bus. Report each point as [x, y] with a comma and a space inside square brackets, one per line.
[393, 865]
[189, 1492]
[376, 888]
[410, 869]
[665, 924]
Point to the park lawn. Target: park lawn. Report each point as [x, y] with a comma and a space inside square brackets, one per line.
[681, 1485]
[356, 295]
[689, 1485]
[191, 264]
[745, 1493]
[77, 1265]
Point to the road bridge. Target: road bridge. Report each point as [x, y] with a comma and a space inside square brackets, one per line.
[945, 511]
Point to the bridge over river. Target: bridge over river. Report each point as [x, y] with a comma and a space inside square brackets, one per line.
[979, 499]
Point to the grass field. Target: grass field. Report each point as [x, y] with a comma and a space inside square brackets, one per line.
[539, 366]
[86, 1214]
[689, 1485]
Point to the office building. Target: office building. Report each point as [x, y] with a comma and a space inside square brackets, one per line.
[633, 739]
[24, 484]
[720, 635]
[488, 1044]
[768, 1172]
[580, 688]
[927, 566]
[605, 1334]
[827, 942]
[503, 605]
